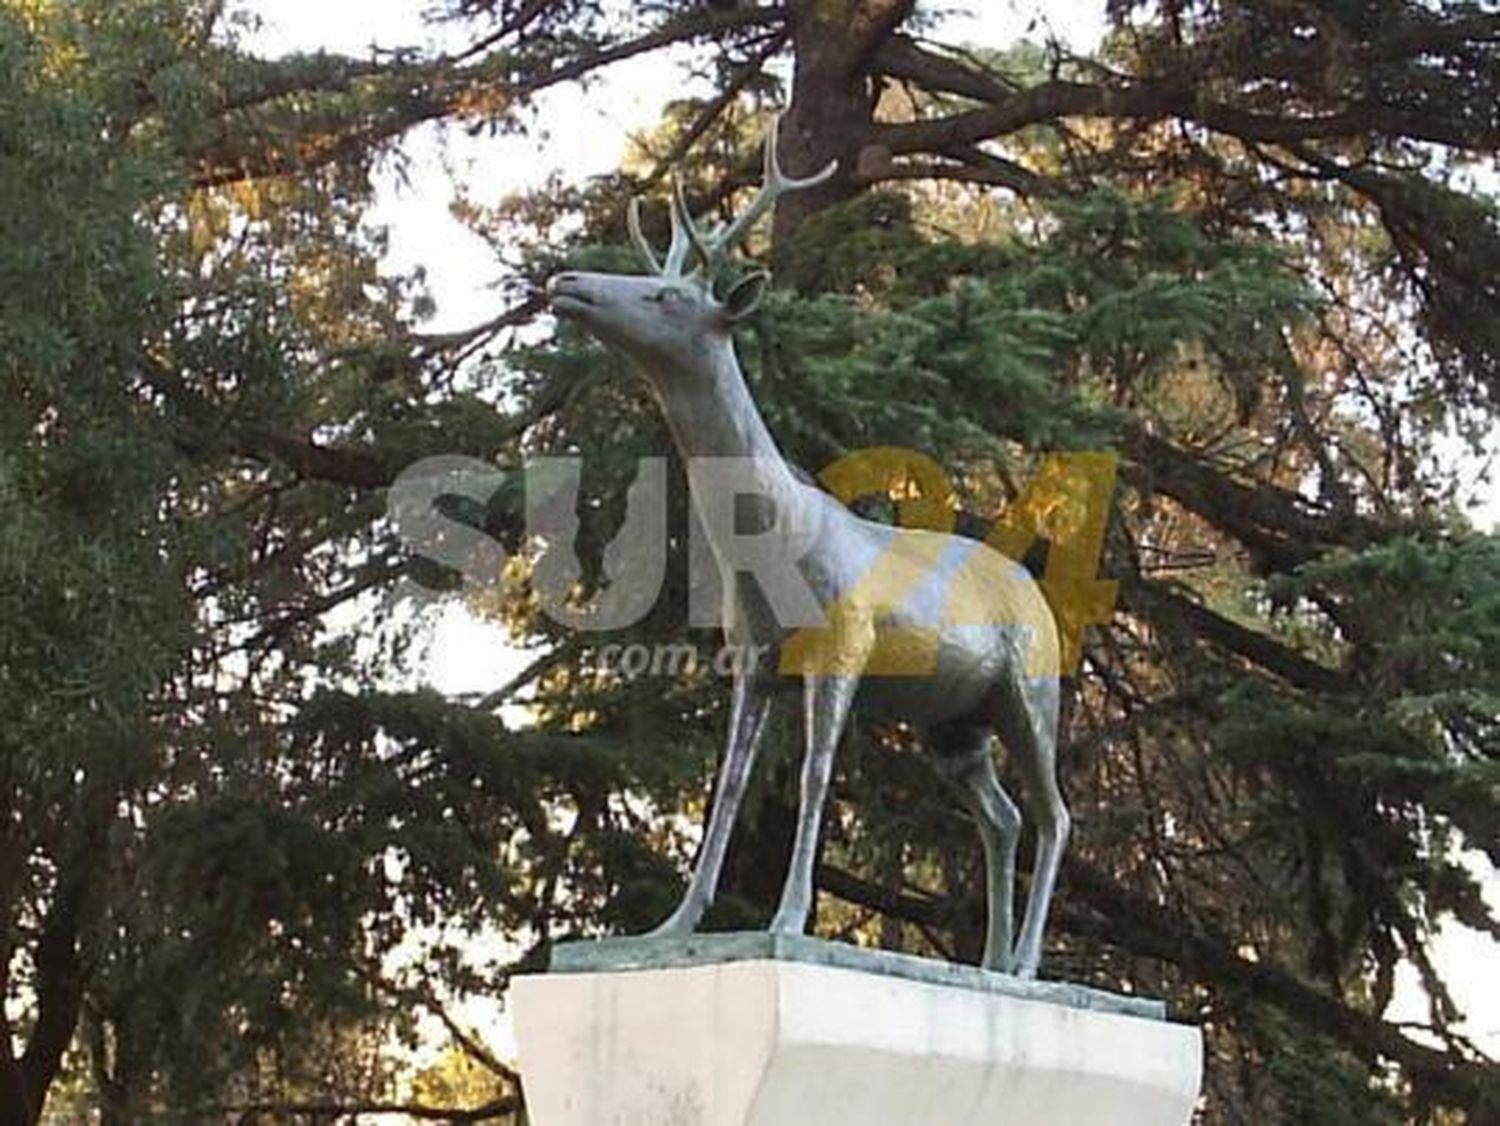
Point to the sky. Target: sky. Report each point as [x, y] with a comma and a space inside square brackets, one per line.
[581, 132]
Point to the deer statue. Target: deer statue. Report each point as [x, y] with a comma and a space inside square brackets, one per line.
[990, 663]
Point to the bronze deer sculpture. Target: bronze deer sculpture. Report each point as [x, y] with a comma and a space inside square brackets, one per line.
[992, 650]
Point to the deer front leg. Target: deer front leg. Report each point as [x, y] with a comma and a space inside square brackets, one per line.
[826, 700]
[747, 721]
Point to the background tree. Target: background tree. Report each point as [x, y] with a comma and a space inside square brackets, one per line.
[1244, 246]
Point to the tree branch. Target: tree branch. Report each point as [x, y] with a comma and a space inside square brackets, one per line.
[327, 1111]
[1283, 529]
[710, 113]
[528, 13]
[921, 910]
[337, 465]
[901, 58]
[1128, 918]
[968, 165]
[1155, 599]
[1175, 96]
[1033, 106]
[405, 97]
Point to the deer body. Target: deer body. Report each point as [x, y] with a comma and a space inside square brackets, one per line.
[972, 636]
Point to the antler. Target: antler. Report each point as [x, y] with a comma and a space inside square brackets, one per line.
[776, 184]
[686, 238]
[712, 250]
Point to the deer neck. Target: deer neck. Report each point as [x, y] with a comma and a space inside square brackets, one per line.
[711, 414]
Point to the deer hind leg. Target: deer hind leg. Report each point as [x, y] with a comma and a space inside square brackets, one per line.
[826, 701]
[747, 721]
[967, 757]
[1027, 721]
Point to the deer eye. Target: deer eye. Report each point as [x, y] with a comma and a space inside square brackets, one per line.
[665, 295]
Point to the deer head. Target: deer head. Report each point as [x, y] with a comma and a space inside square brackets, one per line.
[670, 320]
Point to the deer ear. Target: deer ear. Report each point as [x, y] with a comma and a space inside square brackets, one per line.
[745, 295]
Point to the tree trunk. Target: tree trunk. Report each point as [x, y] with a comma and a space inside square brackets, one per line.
[60, 974]
[18, 1102]
[15, 1104]
[833, 99]
[59, 1003]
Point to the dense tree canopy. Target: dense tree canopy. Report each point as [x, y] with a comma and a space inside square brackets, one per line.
[1246, 246]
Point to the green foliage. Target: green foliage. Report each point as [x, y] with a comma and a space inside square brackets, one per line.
[969, 351]
[1323, 1086]
[83, 457]
[262, 858]
[1427, 615]
[232, 917]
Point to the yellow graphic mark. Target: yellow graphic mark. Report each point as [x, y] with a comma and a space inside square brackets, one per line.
[1066, 503]
[854, 642]
[920, 487]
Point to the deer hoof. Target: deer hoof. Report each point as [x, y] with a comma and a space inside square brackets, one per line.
[999, 964]
[680, 923]
[789, 922]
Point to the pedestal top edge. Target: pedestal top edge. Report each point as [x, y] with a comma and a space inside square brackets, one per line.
[615, 955]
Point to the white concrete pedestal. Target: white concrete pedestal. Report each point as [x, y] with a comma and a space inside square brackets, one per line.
[773, 1042]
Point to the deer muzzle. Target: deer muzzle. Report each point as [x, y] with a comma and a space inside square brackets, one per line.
[568, 293]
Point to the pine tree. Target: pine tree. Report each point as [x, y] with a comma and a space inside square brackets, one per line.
[1243, 248]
